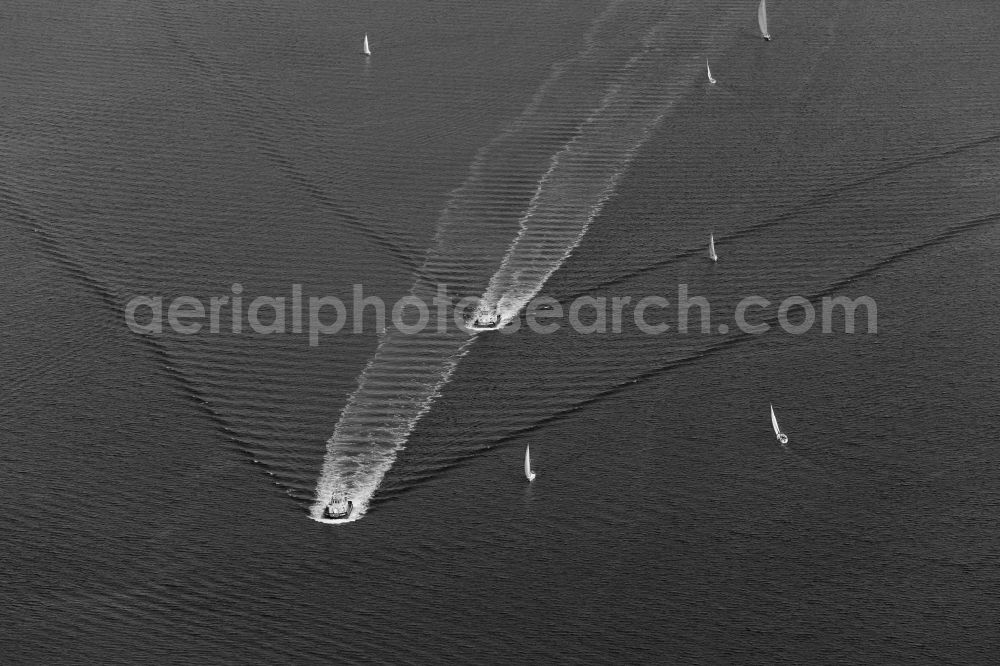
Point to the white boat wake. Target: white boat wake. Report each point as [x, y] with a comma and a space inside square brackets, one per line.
[626, 89]
[372, 429]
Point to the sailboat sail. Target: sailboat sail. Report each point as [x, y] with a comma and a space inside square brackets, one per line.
[711, 248]
[366, 50]
[782, 437]
[709, 70]
[527, 464]
[762, 19]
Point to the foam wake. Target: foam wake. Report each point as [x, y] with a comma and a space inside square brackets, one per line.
[381, 413]
[581, 177]
[528, 200]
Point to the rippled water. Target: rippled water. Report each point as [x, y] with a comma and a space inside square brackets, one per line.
[158, 489]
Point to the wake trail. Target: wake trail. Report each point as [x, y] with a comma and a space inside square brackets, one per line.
[529, 198]
[44, 227]
[730, 341]
[255, 111]
[795, 211]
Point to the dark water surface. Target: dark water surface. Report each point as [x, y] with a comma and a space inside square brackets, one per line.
[157, 489]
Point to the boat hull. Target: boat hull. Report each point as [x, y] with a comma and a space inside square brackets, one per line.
[478, 327]
[330, 515]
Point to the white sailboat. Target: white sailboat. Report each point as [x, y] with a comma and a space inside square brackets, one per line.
[367, 51]
[782, 437]
[711, 248]
[762, 20]
[708, 69]
[527, 464]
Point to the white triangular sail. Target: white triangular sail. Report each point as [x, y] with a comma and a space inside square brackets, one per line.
[762, 19]
[708, 69]
[711, 248]
[367, 51]
[527, 464]
[782, 437]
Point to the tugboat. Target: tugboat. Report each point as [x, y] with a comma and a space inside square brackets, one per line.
[339, 508]
[483, 321]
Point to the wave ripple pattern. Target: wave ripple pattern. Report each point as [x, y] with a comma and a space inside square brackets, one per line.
[528, 200]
